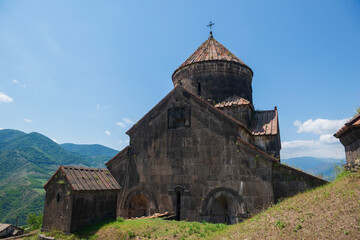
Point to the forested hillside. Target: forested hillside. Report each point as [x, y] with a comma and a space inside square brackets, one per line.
[27, 161]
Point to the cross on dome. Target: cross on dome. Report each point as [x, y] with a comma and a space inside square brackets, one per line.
[210, 25]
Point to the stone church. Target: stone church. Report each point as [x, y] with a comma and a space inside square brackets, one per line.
[203, 152]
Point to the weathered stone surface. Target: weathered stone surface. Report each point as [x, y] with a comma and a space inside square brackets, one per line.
[188, 157]
[200, 159]
[289, 181]
[215, 80]
[68, 210]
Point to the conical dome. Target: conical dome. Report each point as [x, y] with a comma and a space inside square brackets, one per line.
[211, 50]
[214, 73]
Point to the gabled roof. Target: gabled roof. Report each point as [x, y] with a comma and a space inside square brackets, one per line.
[211, 50]
[87, 179]
[197, 99]
[265, 123]
[354, 122]
[233, 101]
[118, 154]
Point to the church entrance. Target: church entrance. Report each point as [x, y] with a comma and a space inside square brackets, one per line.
[138, 203]
[222, 210]
[138, 206]
[223, 205]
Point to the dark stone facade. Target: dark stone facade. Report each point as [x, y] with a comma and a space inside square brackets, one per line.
[349, 136]
[203, 152]
[207, 170]
[215, 80]
[69, 206]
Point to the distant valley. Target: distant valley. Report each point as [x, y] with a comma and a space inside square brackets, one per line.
[27, 161]
[323, 167]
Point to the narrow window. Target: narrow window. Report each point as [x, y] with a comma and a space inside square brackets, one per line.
[58, 196]
[199, 89]
[178, 117]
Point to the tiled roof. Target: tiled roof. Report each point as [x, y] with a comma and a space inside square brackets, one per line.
[232, 101]
[211, 50]
[354, 122]
[264, 123]
[88, 179]
[3, 226]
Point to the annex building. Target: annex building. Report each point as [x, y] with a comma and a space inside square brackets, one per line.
[203, 152]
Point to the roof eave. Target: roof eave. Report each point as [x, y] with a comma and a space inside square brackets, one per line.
[214, 60]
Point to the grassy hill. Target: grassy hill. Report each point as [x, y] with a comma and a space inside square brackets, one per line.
[328, 212]
[27, 161]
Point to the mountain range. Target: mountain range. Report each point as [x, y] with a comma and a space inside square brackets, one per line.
[322, 167]
[27, 161]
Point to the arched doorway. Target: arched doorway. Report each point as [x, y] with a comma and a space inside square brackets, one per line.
[138, 206]
[223, 205]
[138, 203]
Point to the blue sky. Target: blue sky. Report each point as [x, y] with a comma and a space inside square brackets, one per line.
[85, 71]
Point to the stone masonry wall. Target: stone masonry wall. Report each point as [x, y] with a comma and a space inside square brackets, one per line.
[351, 141]
[289, 181]
[216, 80]
[195, 163]
[93, 206]
[58, 205]
[240, 113]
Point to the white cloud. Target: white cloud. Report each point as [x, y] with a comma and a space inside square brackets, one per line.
[124, 141]
[120, 124]
[5, 98]
[1, 128]
[27, 120]
[107, 132]
[326, 146]
[18, 83]
[127, 121]
[328, 138]
[97, 106]
[312, 148]
[320, 126]
[54, 140]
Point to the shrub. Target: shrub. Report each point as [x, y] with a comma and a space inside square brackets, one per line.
[340, 172]
[280, 224]
[34, 221]
[131, 234]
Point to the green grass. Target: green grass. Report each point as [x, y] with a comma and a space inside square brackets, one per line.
[145, 229]
[328, 212]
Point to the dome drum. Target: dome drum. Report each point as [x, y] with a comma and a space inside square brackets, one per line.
[215, 80]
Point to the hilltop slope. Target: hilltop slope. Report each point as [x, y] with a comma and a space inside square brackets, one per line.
[328, 212]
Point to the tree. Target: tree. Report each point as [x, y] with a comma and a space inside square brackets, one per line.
[34, 221]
